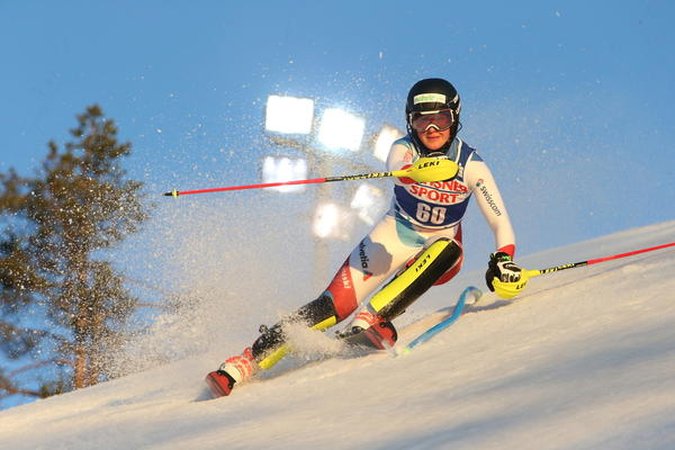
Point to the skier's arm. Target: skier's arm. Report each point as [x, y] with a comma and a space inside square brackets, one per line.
[480, 180]
[503, 275]
[401, 156]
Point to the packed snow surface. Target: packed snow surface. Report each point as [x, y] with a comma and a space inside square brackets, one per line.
[585, 359]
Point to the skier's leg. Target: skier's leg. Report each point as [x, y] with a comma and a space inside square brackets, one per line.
[372, 325]
[271, 345]
[416, 279]
[457, 266]
[369, 264]
[435, 264]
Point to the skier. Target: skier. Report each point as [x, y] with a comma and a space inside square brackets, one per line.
[416, 244]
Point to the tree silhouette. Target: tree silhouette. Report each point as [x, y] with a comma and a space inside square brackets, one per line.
[63, 303]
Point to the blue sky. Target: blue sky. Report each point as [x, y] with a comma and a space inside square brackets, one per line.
[547, 86]
[569, 102]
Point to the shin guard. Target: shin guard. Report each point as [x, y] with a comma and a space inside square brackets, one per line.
[271, 346]
[416, 279]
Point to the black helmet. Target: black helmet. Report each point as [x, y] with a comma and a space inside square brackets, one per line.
[429, 95]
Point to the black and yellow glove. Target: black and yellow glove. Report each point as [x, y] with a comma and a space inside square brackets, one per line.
[503, 276]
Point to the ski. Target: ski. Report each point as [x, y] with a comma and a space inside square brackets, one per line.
[471, 294]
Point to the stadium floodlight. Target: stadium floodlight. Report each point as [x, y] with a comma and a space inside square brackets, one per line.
[368, 202]
[340, 130]
[284, 169]
[326, 218]
[290, 115]
[385, 138]
[331, 221]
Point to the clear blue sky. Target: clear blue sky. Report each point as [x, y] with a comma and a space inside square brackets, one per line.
[569, 102]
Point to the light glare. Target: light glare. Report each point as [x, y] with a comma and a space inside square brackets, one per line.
[326, 220]
[341, 130]
[385, 138]
[368, 202]
[284, 169]
[290, 115]
[331, 221]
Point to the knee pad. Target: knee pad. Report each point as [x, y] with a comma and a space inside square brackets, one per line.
[416, 278]
[451, 272]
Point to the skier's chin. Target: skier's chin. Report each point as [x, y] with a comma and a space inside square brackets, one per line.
[434, 143]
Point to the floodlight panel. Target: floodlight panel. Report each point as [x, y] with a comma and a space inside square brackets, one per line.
[340, 129]
[326, 220]
[290, 115]
[365, 196]
[284, 169]
[368, 202]
[385, 138]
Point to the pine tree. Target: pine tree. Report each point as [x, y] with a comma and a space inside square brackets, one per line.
[56, 230]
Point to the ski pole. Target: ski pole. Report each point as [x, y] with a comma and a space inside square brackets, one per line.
[176, 193]
[536, 272]
[424, 170]
[510, 290]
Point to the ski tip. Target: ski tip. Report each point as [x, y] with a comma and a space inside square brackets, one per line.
[174, 193]
[472, 294]
[403, 351]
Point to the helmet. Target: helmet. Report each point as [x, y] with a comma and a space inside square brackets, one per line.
[433, 95]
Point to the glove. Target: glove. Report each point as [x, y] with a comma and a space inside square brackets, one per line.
[504, 276]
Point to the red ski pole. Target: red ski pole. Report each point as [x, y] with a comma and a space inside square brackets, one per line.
[536, 272]
[424, 170]
[510, 290]
[176, 193]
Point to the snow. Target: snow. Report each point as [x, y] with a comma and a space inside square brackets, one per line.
[584, 359]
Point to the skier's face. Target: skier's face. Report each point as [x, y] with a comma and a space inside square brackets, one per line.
[432, 138]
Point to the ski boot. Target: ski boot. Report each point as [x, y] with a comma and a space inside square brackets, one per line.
[234, 370]
[369, 330]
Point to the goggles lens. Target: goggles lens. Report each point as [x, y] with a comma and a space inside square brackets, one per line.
[441, 120]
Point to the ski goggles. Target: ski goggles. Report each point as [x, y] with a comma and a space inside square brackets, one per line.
[441, 120]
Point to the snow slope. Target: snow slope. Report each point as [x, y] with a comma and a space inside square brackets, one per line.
[585, 359]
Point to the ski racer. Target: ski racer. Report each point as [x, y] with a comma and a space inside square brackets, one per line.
[415, 245]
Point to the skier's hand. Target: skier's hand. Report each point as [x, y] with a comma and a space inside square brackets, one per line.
[504, 276]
